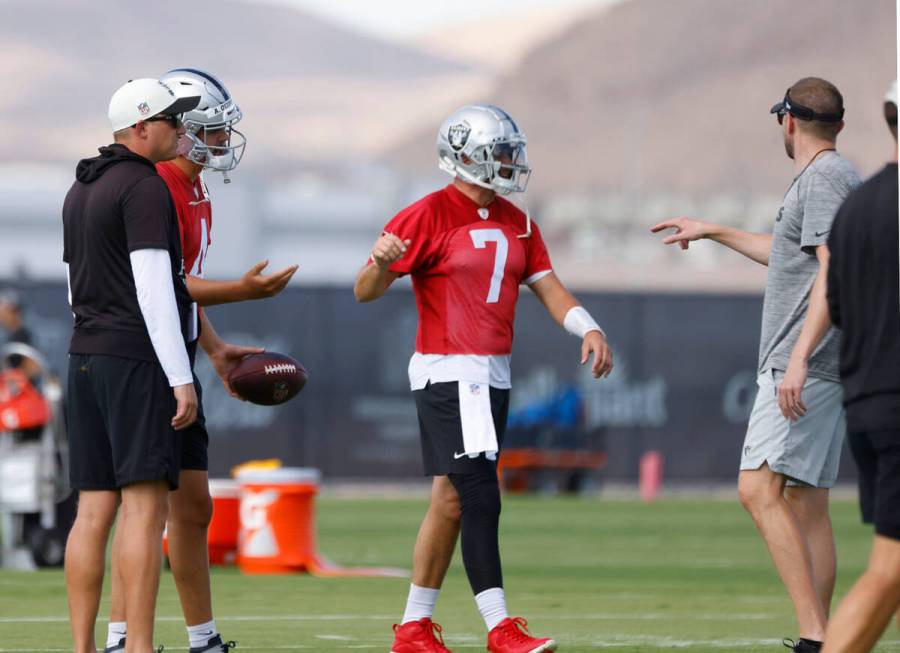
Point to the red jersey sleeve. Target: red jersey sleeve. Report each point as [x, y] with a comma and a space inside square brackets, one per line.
[537, 258]
[415, 223]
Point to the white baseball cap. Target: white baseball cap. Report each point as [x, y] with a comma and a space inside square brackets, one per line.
[139, 99]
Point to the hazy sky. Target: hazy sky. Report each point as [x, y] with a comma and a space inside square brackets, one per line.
[401, 19]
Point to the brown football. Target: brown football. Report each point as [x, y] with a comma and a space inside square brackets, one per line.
[268, 378]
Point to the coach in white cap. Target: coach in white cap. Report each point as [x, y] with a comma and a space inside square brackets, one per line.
[130, 387]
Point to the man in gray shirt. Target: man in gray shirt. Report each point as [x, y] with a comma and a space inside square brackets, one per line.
[793, 443]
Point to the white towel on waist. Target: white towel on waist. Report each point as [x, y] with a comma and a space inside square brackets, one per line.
[479, 435]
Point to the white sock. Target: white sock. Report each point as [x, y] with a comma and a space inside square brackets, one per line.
[114, 632]
[202, 633]
[492, 606]
[420, 603]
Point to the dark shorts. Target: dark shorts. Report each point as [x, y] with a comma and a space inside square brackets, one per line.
[120, 423]
[440, 429]
[195, 439]
[877, 454]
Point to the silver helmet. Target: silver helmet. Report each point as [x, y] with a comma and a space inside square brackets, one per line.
[481, 144]
[217, 110]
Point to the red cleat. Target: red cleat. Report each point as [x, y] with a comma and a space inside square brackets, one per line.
[512, 636]
[419, 637]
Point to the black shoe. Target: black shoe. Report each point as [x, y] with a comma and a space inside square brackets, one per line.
[118, 648]
[803, 646]
[214, 645]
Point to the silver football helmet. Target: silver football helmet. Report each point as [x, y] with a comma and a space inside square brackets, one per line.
[217, 110]
[481, 144]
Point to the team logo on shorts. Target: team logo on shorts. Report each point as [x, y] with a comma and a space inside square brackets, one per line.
[458, 135]
[143, 108]
[475, 389]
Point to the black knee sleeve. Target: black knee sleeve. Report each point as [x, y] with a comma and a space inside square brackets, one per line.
[479, 498]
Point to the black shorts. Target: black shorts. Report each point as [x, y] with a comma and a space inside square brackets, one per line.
[877, 454]
[440, 429]
[195, 439]
[120, 423]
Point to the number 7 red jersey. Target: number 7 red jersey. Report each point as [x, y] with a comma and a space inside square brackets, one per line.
[467, 265]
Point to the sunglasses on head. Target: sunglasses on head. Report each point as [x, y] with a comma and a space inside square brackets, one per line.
[787, 105]
[174, 121]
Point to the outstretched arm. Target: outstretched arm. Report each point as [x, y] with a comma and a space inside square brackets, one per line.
[565, 310]
[253, 285]
[754, 246]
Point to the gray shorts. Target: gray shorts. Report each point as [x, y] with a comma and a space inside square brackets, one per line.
[807, 451]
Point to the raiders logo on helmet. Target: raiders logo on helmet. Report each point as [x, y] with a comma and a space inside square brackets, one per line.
[458, 135]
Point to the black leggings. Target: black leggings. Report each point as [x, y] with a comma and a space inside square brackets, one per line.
[479, 497]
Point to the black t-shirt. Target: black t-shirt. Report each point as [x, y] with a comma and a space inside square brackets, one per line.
[864, 302]
[118, 204]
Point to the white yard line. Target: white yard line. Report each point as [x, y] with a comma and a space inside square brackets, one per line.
[600, 616]
[465, 640]
[624, 641]
[269, 617]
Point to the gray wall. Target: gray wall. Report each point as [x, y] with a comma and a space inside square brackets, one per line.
[684, 381]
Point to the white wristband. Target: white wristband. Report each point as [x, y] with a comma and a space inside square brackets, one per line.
[579, 322]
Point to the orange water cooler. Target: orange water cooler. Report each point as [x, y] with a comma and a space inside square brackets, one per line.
[277, 520]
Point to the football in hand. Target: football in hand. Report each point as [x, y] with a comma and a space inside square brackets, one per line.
[268, 378]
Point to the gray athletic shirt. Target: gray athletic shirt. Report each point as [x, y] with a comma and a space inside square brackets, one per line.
[803, 222]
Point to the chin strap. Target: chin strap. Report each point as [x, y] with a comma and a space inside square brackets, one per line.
[205, 190]
[527, 233]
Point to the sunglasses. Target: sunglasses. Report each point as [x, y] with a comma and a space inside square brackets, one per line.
[174, 121]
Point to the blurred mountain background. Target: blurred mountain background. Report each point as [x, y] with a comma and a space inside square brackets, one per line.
[635, 110]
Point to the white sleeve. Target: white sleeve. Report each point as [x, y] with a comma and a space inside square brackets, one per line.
[152, 271]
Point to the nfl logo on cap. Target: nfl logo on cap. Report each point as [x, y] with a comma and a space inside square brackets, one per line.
[139, 98]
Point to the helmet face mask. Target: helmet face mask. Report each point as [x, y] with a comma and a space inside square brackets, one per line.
[223, 156]
[217, 111]
[510, 163]
[482, 145]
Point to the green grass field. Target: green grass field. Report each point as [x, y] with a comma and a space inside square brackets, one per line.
[596, 574]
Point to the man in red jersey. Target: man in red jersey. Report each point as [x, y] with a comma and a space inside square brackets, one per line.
[468, 251]
[210, 143]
